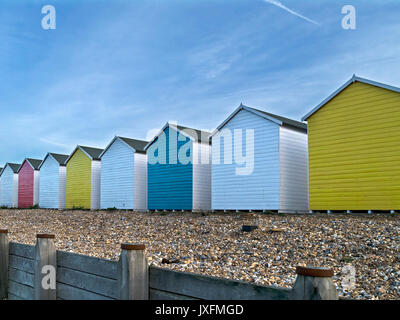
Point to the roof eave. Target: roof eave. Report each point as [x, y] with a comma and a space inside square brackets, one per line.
[236, 111]
[352, 80]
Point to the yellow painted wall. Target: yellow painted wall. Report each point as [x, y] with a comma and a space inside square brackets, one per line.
[354, 151]
[78, 180]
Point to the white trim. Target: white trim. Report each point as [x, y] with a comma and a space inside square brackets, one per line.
[242, 107]
[95, 185]
[175, 127]
[80, 148]
[111, 143]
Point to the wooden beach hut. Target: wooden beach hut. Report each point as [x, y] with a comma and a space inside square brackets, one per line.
[179, 169]
[9, 185]
[124, 174]
[83, 178]
[354, 148]
[28, 183]
[259, 162]
[53, 179]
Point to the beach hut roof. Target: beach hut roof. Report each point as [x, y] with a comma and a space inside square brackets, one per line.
[34, 163]
[92, 153]
[352, 80]
[200, 136]
[269, 116]
[60, 158]
[136, 145]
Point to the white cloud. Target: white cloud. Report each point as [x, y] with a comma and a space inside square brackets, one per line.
[280, 5]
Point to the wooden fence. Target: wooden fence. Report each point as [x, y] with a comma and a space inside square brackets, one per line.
[24, 269]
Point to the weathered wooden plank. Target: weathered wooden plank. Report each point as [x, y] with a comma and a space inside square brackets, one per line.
[86, 281]
[66, 292]
[212, 288]
[13, 297]
[4, 262]
[22, 250]
[22, 264]
[21, 277]
[164, 295]
[97, 266]
[20, 290]
[133, 273]
[45, 257]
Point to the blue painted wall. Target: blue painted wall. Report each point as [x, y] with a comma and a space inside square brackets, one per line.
[170, 186]
[49, 184]
[117, 177]
[259, 190]
[6, 194]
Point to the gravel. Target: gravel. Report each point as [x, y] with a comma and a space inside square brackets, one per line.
[214, 244]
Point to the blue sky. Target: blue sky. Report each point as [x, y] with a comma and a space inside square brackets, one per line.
[127, 67]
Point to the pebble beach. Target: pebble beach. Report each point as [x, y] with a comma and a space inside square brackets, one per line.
[214, 244]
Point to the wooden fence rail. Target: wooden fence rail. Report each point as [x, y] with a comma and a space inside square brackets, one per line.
[41, 272]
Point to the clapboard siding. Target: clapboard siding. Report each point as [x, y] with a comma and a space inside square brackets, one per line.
[7, 181]
[140, 184]
[166, 284]
[293, 150]
[170, 185]
[354, 151]
[259, 189]
[79, 169]
[95, 185]
[201, 176]
[117, 176]
[26, 186]
[49, 184]
[62, 186]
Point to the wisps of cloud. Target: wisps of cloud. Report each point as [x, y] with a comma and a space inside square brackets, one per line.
[280, 5]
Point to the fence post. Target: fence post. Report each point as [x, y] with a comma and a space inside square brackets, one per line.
[45, 268]
[4, 256]
[314, 283]
[133, 273]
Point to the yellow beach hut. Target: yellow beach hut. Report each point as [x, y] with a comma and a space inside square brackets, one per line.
[354, 148]
[83, 178]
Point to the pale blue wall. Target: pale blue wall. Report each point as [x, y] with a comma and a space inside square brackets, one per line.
[6, 195]
[117, 177]
[49, 184]
[257, 191]
[170, 186]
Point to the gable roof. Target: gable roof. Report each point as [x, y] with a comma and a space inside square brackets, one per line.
[136, 145]
[92, 153]
[348, 83]
[200, 136]
[13, 166]
[34, 163]
[60, 158]
[266, 115]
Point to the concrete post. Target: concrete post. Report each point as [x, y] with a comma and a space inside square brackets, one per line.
[45, 268]
[4, 256]
[314, 283]
[133, 273]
